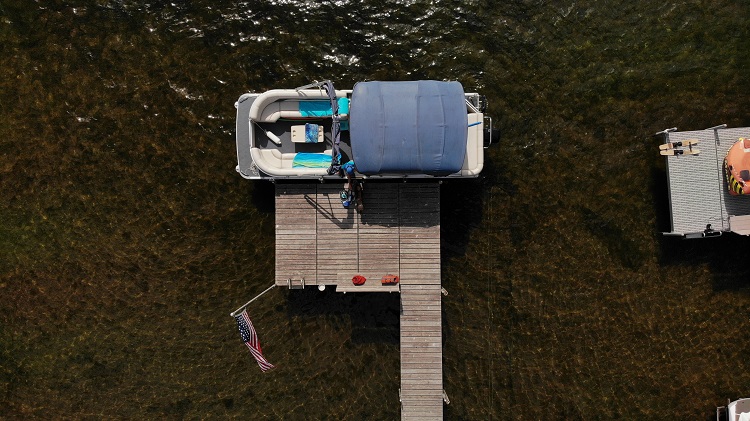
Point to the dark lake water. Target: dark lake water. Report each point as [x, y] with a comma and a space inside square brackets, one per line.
[127, 237]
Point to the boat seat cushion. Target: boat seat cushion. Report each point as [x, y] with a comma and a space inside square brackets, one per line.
[322, 108]
[299, 109]
[274, 162]
[311, 160]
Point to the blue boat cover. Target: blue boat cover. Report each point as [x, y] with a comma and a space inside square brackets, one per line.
[408, 127]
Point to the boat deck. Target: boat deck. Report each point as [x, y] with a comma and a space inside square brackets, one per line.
[319, 242]
[698, 194]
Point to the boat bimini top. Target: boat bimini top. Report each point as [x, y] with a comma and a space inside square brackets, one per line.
[408, 127]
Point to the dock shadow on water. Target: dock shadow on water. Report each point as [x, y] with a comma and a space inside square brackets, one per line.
[374, 317]
[726, 257]
[263, 196]
[660, 196]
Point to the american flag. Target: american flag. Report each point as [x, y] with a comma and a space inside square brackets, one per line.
[250, 338]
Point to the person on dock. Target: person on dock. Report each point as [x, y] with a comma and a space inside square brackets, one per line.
[348, 169]
[352, 189]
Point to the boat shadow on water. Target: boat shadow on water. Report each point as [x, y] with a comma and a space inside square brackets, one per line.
[461, 212]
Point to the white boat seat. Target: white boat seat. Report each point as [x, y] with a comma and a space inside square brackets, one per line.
[270, 106]
[474, 160]
[273, 162]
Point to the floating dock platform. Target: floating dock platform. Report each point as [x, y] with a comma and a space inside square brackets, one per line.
[699, 201]
[321, 243]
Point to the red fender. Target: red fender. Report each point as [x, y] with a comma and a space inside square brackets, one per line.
[358, 280]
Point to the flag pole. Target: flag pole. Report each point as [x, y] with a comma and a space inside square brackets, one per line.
[232, 314]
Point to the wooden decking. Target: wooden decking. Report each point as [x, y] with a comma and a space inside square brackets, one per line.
[421, 353]
[399, 233]
[320, 241]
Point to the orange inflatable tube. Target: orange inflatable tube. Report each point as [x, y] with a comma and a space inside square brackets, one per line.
[737, 167]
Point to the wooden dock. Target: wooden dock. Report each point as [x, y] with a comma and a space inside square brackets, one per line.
[318, 242]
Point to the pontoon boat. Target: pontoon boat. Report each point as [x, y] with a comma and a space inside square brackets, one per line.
[738, 410]
[388, 129]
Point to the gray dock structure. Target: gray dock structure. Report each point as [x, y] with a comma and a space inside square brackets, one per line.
[699, 201]
[320, 243]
